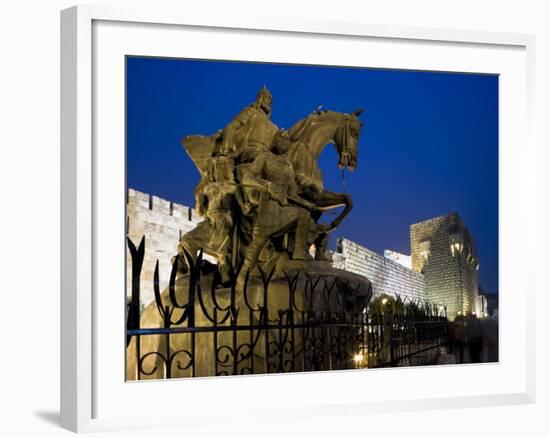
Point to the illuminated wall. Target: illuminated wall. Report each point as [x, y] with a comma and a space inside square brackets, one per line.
[402, 259]
[444, 251]
[162, 223]
[387, 276]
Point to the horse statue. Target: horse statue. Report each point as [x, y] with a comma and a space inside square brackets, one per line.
[309, 137]
[306, 141]
[274, 185]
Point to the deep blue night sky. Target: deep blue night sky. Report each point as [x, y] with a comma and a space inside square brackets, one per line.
[429, 144]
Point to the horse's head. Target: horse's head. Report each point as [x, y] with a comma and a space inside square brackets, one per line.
[346, 140]
[324, 127]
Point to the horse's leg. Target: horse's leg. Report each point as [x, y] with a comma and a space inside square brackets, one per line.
[347, 210]
[321, 247]
[283, 220]
[327, 200]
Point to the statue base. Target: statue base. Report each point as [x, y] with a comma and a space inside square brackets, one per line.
[303, 317]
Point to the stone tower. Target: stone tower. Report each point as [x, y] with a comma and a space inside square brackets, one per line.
[443, 250]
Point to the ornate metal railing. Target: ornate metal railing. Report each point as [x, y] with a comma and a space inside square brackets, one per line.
[262, 324]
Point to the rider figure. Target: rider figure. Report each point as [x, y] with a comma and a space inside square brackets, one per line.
[269, 185]
[251, 131]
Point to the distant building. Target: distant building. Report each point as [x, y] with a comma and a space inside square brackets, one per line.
[482, 305]
[443, 250]
[492, 305]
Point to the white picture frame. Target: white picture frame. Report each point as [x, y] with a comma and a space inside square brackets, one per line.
[83, 236]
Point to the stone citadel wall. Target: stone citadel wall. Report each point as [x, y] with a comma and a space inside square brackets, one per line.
[387, 276]
[162, 223]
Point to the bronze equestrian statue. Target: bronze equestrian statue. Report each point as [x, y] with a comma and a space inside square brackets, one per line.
[265, 206]
[261, 195]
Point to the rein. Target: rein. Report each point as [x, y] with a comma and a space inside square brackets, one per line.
[344, 181]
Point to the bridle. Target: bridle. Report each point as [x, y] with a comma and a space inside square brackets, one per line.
[344, 140]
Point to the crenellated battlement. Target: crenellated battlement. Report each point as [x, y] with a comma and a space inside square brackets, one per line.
[144, 201]
[163, 223]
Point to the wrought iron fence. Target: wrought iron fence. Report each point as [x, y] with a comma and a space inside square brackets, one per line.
[264, 324]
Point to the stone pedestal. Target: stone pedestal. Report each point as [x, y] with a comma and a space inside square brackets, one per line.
[299, 320]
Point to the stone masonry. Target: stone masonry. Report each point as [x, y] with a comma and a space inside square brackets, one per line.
[162, 223]
[387, 276]
[443, 250]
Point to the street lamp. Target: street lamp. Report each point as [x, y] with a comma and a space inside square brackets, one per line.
[358, 360]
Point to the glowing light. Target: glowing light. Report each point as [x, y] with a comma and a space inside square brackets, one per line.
[384, 301]
[358, 358]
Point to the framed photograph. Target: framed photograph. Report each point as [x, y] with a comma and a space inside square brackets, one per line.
[307, 218]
